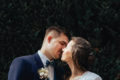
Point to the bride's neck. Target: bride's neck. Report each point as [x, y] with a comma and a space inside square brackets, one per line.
[74, 70]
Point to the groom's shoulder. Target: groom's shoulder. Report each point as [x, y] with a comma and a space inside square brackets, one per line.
[23, 59]
[26, 57]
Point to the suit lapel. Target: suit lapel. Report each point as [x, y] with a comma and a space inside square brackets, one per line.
[37, 65]
[38, 61]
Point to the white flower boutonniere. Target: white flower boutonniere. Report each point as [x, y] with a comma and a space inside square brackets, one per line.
[43, 72]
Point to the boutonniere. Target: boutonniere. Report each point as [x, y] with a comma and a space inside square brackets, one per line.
[43, 73]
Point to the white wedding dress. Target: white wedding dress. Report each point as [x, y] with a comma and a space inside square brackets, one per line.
[88, 76]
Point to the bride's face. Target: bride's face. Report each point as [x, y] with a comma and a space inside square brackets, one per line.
[67, 52]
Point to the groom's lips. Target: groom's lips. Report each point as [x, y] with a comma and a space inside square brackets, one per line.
[60, 53]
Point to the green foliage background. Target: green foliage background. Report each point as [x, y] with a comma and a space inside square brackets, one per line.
[23, 23]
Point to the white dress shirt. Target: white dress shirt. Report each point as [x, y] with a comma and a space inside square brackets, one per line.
[50, 67]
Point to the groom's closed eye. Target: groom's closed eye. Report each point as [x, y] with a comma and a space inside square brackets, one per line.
[63, 43]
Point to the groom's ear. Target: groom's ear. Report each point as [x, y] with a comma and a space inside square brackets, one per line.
[49, 39]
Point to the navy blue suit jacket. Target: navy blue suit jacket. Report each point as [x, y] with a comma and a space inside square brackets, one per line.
[26, 67]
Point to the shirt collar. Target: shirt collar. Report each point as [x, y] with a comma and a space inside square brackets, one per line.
[43, 57]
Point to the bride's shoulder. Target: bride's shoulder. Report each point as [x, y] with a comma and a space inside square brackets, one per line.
[91, 76]
[88, 76]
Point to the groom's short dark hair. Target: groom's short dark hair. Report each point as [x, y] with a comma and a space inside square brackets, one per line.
[57, 30]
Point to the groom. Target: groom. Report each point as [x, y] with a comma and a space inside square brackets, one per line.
[28, 67]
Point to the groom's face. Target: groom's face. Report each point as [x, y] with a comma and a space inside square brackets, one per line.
[56, 46]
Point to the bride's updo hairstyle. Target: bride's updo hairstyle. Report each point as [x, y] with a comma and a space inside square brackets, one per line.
[80, 53]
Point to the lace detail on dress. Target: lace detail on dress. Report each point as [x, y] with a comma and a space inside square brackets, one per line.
[77, 78]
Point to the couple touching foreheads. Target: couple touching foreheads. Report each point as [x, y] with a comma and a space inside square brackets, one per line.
[56, 44]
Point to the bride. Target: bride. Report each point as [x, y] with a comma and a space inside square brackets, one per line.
[76, 56]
